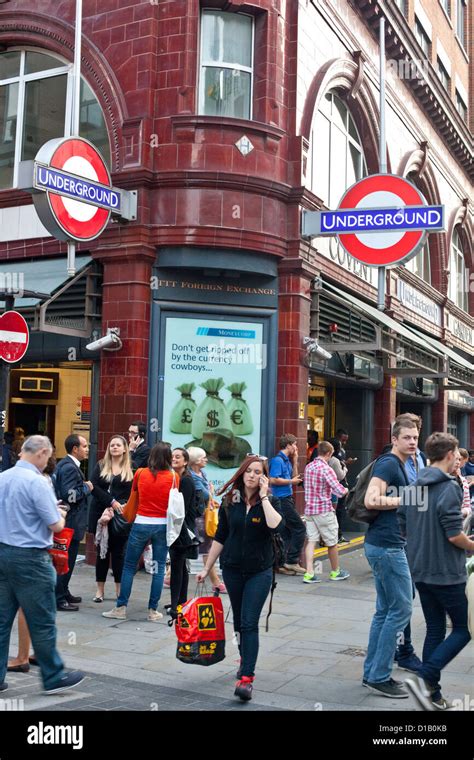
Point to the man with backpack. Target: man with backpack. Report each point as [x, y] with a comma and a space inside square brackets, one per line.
[385, 552]
[283, 476]
[430, 517]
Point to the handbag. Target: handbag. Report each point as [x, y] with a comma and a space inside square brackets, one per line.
[211, 517]
[174, 514]
[200, 631]
[119, 526]
[131, 507]
[59, 550]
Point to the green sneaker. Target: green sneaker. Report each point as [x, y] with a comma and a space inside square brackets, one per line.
[308, 578]
[338, 575]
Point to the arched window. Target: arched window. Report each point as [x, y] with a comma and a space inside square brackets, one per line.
[458, 290]
[35, 106]
[336, 158]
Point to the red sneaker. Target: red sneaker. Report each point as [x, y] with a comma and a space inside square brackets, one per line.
[243, 688]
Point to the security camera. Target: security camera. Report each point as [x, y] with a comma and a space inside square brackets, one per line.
[313, 347]
[109, 342]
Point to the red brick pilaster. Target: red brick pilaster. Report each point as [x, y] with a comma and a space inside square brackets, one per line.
[385, 413]
[124, 373]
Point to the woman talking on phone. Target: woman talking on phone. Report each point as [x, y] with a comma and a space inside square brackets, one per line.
[247, 518]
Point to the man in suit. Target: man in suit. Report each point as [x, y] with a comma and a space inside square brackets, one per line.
[138, 448]
[72, 489]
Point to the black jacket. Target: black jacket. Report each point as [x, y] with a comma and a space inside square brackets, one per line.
[70, 487]
[104, 494]
[246, 538]
[140, 456]
[185, 542]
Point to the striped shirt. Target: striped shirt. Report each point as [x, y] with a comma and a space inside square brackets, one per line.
[320, 482]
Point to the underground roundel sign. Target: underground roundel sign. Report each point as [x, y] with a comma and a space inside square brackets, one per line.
[76, 195]
[382, 220]
[14, 337]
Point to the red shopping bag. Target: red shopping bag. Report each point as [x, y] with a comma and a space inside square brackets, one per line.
[61, 542]
[200, 631]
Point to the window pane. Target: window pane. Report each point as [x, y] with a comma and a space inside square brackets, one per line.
[320, 158]
[227, 38]
[354, 165]
[9, 65]
[8, 114]
[338, 166]
[45, 103]
[92, 123]
[40, 62]
[226, 92]
[339, 113]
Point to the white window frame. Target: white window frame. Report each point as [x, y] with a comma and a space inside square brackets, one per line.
[422, 36]
[461, 38]
[349, 141]
[425, 255]
[457, 296]
[22, 79]
[225, 65]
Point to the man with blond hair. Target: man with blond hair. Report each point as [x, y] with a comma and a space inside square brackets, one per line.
[320, 482]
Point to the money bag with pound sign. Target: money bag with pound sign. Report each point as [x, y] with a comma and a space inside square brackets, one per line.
[239, 413]
[211, 412]
[181, 417]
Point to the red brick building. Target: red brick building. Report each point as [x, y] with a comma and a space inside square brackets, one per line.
[228, 118]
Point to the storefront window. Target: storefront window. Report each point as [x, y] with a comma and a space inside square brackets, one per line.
[458, 290]
[226, 64]
[336, 159]
[35, 106]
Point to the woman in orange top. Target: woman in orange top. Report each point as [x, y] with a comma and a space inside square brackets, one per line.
[153, 484]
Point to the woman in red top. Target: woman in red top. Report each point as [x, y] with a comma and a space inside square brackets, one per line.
[153, 484]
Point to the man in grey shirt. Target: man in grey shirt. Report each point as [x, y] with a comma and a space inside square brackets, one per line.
[29, 515]
[430, 517]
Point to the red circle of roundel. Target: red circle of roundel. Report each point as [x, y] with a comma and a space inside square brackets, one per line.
[92, 228]
[14, 337]
[409, 196]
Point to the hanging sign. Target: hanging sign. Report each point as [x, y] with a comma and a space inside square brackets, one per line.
[382, 220]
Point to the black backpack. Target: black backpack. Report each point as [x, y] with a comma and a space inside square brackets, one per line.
[355, 506]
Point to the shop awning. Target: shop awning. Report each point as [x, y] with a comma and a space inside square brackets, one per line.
[34, 281]
[414, 355]
[461, 372]
[49, 300]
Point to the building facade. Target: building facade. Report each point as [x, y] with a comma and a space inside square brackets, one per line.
[229, 118]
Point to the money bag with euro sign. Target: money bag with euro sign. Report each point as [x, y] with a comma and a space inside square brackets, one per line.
[239, 413]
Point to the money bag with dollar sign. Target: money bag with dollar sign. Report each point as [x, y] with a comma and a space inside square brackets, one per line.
[182, 414]
[211, 412]
[239, 413]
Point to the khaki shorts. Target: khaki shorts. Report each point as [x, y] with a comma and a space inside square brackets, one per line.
[322, 526]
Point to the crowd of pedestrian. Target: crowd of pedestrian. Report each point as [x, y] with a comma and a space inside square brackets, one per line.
[420, 504]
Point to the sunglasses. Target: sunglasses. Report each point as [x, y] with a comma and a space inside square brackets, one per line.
[262, 459]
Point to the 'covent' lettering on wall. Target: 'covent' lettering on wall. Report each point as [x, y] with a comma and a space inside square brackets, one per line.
[330, 248]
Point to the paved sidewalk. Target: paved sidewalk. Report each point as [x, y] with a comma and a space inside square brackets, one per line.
[311, 659]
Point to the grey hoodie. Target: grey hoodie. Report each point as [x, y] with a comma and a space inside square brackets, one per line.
[430, 514]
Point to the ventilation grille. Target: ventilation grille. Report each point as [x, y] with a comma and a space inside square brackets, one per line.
[352, 327]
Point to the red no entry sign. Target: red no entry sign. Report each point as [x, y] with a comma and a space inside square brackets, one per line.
[14, 337]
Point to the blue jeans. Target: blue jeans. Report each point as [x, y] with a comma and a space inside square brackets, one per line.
[28, 580]
[140, 535]
[393, 609]
[438, 651]
[247, 594]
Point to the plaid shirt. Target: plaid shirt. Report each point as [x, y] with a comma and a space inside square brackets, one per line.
[320, 482]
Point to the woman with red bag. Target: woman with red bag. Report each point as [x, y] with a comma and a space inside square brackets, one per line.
[247, 518]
